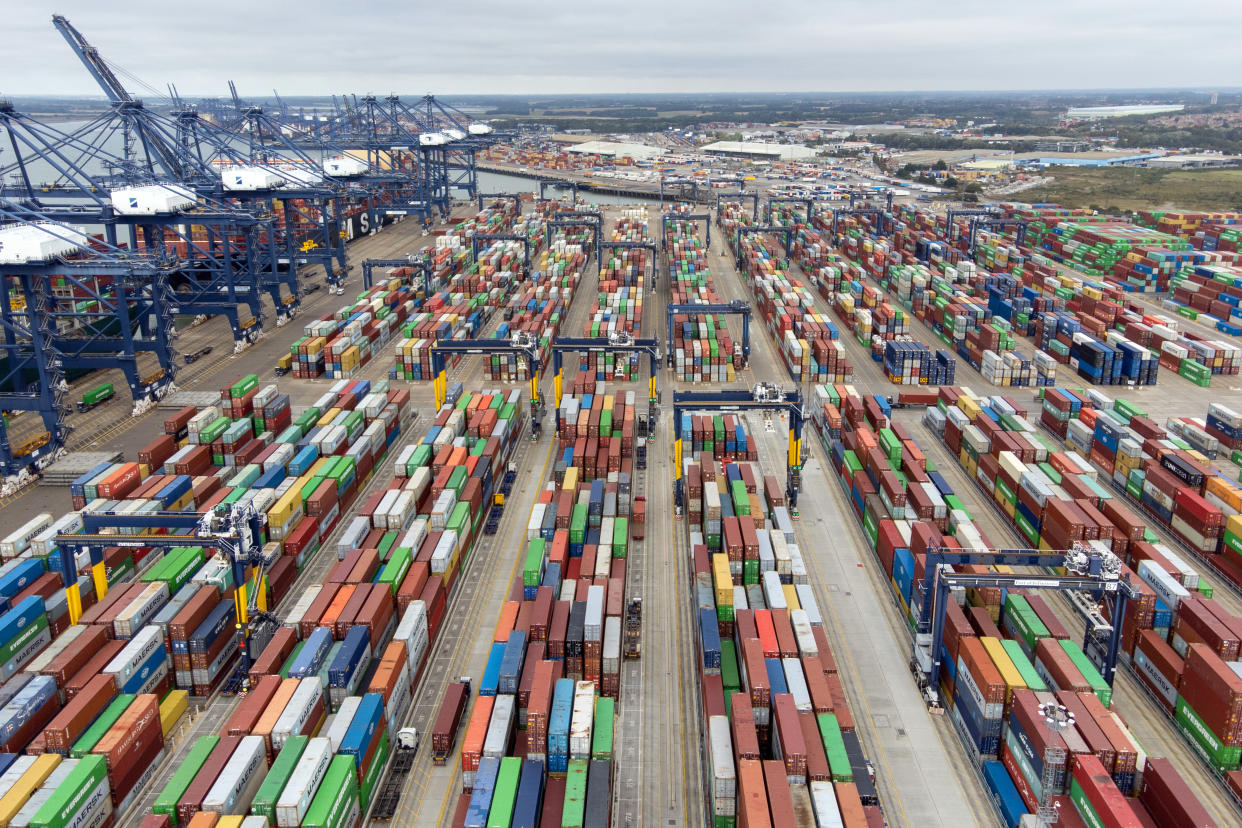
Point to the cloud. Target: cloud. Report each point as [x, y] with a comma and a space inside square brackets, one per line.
[316, 47]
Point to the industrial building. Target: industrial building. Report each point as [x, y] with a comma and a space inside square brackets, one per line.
[615, 149]
[760, 151]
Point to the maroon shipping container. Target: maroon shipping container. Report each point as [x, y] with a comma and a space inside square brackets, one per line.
[97, 662]
[1215, 693]
[1086, 727]
[179, 420]
[131, 744]
[1167, 663]
[780, 801]
[1065, 674]
[742, 725]
[816, 759]
[1194, 624]
[156, 821]
[553, 802]
[317, 608]
[192, 800]
[1168, 798]
[377, 613]
[538, 707]
[787, 741]
[76, 716]
[96, 612]
[444, 733]
[71, 659]
[248, 713]
[194, 613]
[1054, 626]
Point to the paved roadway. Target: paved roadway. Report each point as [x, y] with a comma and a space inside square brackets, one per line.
[1151, 727]
[921, 773]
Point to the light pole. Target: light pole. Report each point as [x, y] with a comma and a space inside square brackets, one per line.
[1057, 718]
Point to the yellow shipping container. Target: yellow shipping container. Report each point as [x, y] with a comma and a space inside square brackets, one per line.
[172, 708]
[230, 821]
[570, 482]
[26, 785]
[791, 596]
[1009, 672]
[723, 580]
[969, 407]
[327, 417]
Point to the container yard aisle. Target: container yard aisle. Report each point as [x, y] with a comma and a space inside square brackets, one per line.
[920, 773]
[1155, 732]
[921, 779]
[431, 790]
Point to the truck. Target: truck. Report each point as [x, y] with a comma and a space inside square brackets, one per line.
[96, 397]
[448, 722]
[638, 518]
[633, 628]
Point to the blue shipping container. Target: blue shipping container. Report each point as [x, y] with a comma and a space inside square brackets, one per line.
[367, 719]
[491, 673]
[558, 726]
[1004, 793]
[481, 795]
[357, 644]
[529, 795]
[511, 664]
[311, 657]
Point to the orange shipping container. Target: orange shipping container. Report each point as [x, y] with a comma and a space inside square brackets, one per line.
[508, 617]
[280, 699]
[476, 732]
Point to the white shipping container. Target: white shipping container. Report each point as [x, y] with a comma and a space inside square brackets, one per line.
[139, 611]
[773, 592]
[824, 803]
[500, 727]
[301, 706]
[806, 599]
[134, 654]
[401, 510]
[801, 623]
[43, 794]
[19, 540]
[413, 537]
[302, 604]
[581, 720]
[444, 552]
[724, 775]
[310, 770]
[795, 680]
[594, 629]
[612, 645]
[341, 720]
[1166, 588]
[240, 779]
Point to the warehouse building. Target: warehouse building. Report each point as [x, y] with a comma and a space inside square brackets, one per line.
[760, 151]
[613, 149]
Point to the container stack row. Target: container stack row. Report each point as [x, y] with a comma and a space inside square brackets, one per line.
[310, 742]
[95, 705]
[1004, 652]
[703, 349]
[806, 339]
[538, 747]
[779, 734]
[539, 307]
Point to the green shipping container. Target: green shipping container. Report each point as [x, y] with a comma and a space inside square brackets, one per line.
[96, 731]
[75, 798]
[394, 571]
[1089, 672]
[620, 536]
[264, 803]
[504, 796]
[166, 802]
[1027, 670]
[532, 571]
[244, 386]
[1220, 756]
[574, 810]
[372, 778]
[834, 747]
[730, 679]
[601, 732]
[336, 802]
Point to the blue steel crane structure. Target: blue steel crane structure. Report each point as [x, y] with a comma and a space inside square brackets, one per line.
[615, 344]
[763, 397]
[36, 353]
[737, 307]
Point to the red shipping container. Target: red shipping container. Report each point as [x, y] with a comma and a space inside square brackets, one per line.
[248, 713]
[1098, 788]
[788, 731]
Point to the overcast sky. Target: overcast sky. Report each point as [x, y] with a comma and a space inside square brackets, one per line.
[508, 46]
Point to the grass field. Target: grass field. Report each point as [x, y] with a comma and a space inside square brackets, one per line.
[1134, 188]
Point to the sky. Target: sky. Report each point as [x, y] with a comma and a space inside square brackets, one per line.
[317, 47]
